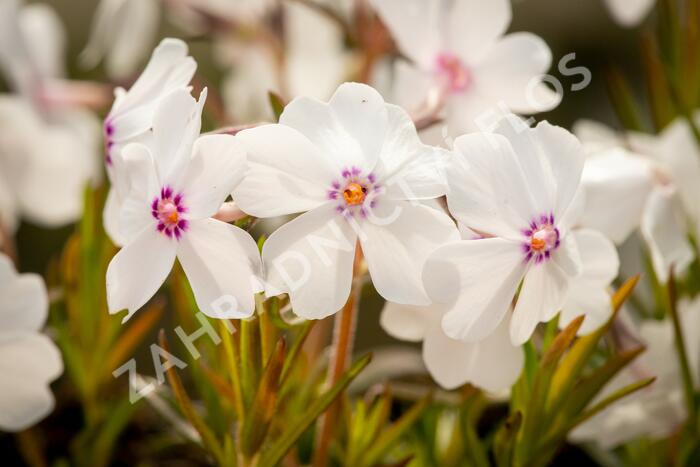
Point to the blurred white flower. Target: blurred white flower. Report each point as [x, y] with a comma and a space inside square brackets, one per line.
[130, 120]
[354, 164]
[629, 13]
[654, 182]
[48, 150]
[176, 183]
[658, 410]
[462, 59]
[315, 63]
[492, 363]
[517, 189]
[122, 31]
[29, 360]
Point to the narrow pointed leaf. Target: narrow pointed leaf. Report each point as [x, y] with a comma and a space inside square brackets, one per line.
[257, 423]
[575, 361]
[296, 428]
[381, 446]
[208, 438]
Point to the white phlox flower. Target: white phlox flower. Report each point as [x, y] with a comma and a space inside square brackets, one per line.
[492, 364]
[47, 149]
[130, 119]
[29, 360]
[355, 168]
[461, 57]
[176, 183]
[517, 188]
[654, 182]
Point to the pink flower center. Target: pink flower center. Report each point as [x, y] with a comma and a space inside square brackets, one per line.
[168, 211]
[452, 70]
[354, 192]
[541, 238]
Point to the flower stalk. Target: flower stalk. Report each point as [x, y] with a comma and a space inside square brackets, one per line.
[679, 340]
[345, 323]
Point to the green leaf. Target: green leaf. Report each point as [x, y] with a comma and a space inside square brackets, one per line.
[274, 454]
[277, 104]
[586, 388]
[622, 99]
[505, 438]
[209, 440]
[256, 425]
[581, 352]
[381, 446]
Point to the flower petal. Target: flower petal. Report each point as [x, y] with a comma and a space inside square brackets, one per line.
[588, 295]
[411, 85]
[542, 295]
[629, 13]
[168, 69]
[362, 112]
[408, 168]
[138, 270]
[512, 72]
[23, 302]
[414, 25]
[349, 131]
[477, 279]
[216, 167]
[176, 125]
[488, 191]
[396, 239]
[311, 258]
[552, 160]
[474, 26]
[28, 363]
[664, 235]
[222, 263]
[137, 166]
[286, 172]
[111, 216]
[409, 322]
[615, 174]
[492, 364]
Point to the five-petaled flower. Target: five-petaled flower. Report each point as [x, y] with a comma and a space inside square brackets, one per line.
[517, 189]
[461, 57]
[176, 183]
[131, 117]
[357, 166]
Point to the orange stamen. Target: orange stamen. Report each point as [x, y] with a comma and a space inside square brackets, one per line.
[354, 194]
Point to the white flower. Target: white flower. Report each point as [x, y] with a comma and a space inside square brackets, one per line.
[629, 13]
[48, 151]
[460, 55]
[658, 410]
[353, 164]
[492, 364]
[29, 360]
[130, 120]
[122, 30]
[517, 188]
[176, 184]
[653, 179]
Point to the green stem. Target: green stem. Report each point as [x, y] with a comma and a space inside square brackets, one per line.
[682, 354]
